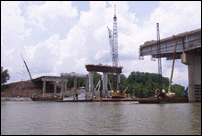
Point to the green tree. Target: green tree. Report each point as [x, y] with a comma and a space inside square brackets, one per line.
[178, 90]
[4, 76]
[123, 83]
[142, 84]
[139, 84]
[80, 82]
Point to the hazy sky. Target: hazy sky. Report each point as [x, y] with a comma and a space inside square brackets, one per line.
[61, 37]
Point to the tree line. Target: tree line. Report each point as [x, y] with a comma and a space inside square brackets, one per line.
[139, 84]
[4, 77]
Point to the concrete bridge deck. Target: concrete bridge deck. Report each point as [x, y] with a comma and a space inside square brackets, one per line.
[187, 41]
[188, 50]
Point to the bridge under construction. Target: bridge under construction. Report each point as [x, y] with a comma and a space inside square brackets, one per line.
[188, 49]
[185, 46]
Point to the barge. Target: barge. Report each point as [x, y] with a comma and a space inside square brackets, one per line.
[114, 99]
[72, 99]
[164, 100]
[46, 98]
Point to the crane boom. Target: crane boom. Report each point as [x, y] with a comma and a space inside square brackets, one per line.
[171, 76]
[159, 59]
[26, 67]
[110, 40]
[113, 41]
[124, 91]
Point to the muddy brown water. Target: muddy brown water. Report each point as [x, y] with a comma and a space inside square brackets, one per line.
[93, 118]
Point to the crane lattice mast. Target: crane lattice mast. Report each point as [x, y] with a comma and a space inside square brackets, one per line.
[159, 58]
[113, 40]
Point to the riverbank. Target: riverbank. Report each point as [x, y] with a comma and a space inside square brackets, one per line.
[16, 99]
[23, 89]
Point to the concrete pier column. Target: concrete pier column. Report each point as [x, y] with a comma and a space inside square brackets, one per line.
[87, 84]
[75, 86]
[90, 81]
[55, 87]
[105, 81]
[44, 88]
[65, 86]
[62, 86]
[118, 81]
[194, 75]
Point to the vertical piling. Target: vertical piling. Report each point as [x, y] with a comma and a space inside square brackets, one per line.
[100, 90]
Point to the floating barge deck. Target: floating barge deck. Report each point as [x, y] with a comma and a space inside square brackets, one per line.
[165, 100]
[114, 99]
[84, 100]
[98, 100]
[140, 100]
[46, 98]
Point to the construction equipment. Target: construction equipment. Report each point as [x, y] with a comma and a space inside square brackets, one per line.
[162, 94]
[171, 76]
[115, 94]
[159, 59]
[98, 85]
[113, 41]
[124, 94]
[26, 67]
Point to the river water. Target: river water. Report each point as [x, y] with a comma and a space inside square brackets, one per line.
[92, 118]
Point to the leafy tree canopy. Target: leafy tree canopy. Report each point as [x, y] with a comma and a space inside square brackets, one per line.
[4, 76]
[139, 84]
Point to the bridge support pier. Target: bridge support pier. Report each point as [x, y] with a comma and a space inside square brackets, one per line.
[193, 60]
[105, 81]
[90, 81]
[55, 87]
[44, 88]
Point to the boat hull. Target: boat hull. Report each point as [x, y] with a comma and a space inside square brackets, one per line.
[165, 100]
[87, 100]
[45, 99]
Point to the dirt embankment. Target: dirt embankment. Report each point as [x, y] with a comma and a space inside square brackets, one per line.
[27, 89]
[22, 88]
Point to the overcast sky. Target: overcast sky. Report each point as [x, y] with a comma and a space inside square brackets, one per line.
[61, 37]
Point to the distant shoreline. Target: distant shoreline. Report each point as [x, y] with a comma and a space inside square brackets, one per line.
[16, 99]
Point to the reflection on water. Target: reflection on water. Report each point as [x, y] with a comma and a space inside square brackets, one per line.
[92, 118]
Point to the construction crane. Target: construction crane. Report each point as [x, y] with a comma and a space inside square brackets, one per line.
[113, 41]
[169, 94]
[124, 94]
[159, 59]
[26, 67]
[171, 76]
